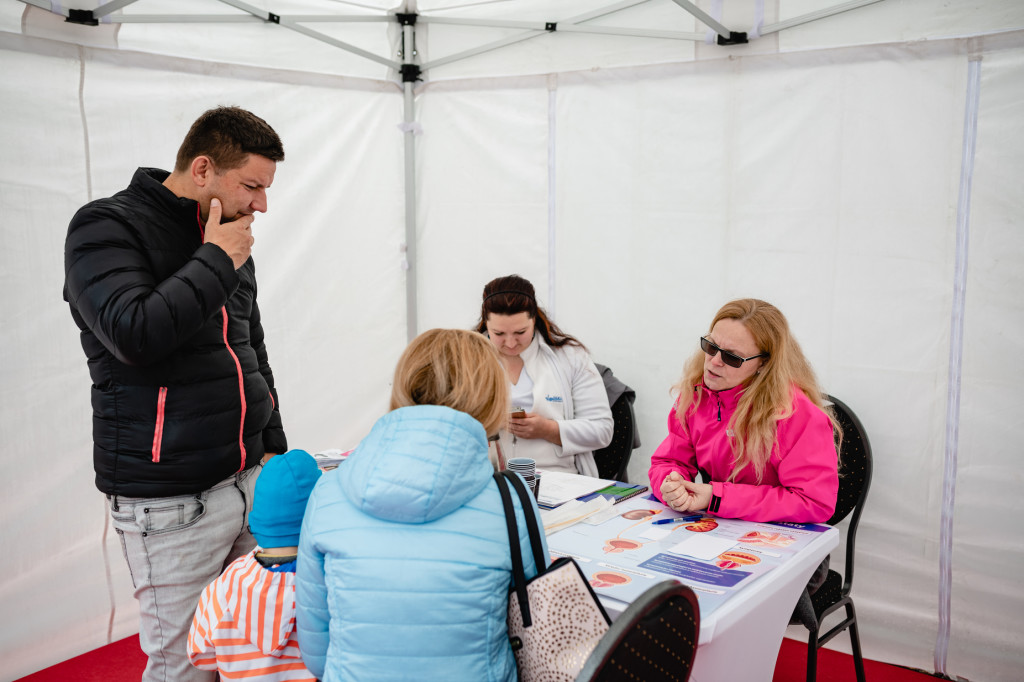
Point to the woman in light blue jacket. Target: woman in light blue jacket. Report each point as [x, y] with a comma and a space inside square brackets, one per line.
[404, 566]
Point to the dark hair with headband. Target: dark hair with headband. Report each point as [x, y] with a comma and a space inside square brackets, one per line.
[512, 295]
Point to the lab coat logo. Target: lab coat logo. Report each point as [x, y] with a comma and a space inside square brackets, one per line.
[553, 398]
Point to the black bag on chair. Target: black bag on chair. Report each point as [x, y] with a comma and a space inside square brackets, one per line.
[554, 619]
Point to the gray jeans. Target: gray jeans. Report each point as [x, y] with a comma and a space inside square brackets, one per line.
[175, 547]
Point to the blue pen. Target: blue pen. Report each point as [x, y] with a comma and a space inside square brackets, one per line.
[679, 520]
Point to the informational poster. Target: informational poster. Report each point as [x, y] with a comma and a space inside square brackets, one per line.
[645, 543]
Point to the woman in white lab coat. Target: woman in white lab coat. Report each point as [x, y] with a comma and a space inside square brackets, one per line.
[560, 412]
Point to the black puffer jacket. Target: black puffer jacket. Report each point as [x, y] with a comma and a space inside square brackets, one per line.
[183, 395]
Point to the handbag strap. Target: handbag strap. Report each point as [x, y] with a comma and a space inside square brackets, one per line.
[518, 574]
[532, 527]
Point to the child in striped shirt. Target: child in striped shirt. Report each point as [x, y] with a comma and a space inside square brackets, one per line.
[244, 626]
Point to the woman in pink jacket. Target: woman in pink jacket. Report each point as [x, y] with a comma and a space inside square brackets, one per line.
[751, 420]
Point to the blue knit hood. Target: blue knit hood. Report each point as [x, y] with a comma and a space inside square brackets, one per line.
[417, 464]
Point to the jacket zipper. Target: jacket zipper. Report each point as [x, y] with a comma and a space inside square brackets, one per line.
[158, 430]
[714, 393]
[241, 388]
[238, 365]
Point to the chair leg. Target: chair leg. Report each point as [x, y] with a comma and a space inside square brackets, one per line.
[812, 657]
[858, 660]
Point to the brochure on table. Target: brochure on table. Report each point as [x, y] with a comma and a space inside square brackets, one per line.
[558, 487]
[629, 552]
[330, 459]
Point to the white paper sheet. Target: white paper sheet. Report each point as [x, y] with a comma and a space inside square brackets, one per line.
[703, 546]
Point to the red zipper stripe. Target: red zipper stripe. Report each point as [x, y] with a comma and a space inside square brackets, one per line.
[241, 387]
[199, 221]
[158, 432]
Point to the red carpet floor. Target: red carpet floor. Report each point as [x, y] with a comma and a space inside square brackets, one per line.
[835, 666]
[123, 661]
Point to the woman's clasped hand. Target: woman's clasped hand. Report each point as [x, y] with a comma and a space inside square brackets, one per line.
[683, 495]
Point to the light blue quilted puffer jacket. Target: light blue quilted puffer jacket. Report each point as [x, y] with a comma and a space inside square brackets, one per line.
[404, 565]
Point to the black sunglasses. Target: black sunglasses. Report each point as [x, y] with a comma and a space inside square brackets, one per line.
[728, 358]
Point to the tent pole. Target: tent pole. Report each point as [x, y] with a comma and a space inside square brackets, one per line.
[814, 16]
[539, 30]
[298, 28]
[956, 351]
[566, 27]
[409, 119]
[105, 9]
[552, 190]
[704, 18]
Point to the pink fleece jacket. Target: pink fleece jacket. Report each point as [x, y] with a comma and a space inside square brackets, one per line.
[800, 480]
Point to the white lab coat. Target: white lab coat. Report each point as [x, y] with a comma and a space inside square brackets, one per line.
[567, 388]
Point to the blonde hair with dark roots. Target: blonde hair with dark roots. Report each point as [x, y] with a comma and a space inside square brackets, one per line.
[767, 398]
[455, 368]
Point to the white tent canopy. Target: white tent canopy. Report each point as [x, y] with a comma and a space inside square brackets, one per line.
[858, 168]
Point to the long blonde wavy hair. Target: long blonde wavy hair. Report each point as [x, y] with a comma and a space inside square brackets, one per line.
[767, 398]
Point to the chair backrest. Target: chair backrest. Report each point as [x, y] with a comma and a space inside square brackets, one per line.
[655, 638]
[613, 460]
[854, 478]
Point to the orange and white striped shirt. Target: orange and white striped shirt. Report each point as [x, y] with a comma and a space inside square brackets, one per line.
[244, 626]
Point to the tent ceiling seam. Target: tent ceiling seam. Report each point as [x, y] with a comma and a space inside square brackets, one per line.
[983, 42]
[568, 25]
[148, 60]
[959, 45]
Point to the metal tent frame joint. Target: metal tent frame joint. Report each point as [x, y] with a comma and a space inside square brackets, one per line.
[85, 17]
[735, 38]
[411, 73]
[551, 26]
[406, 19]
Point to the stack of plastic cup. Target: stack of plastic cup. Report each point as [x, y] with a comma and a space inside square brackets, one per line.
[527, 468]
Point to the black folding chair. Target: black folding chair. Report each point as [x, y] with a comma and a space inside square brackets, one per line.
[834, 593]
[613, 460]
[655, 638]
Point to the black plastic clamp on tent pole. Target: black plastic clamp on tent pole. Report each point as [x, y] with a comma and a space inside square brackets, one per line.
[406, 19]
[551, 26]
[273, 18]
[410, 73]
[84, 17]
[735, 38]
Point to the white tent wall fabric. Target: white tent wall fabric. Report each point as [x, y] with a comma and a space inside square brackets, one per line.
[639, 182]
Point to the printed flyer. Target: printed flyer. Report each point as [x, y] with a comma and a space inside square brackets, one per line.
[644, 543]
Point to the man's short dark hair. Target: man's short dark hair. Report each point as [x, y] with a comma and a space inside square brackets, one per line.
[228, 135]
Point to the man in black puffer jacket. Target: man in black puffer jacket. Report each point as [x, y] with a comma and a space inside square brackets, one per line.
[161, 284]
